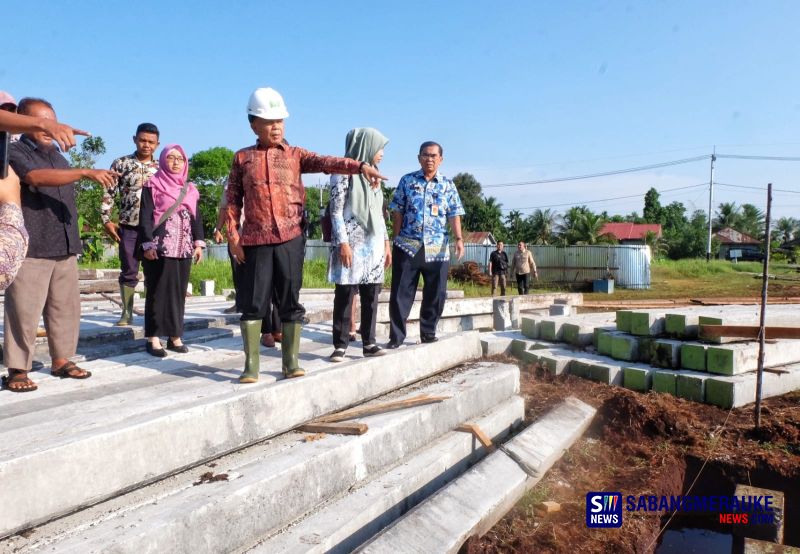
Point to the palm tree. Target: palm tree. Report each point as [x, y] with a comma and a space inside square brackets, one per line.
[543, 224]
[588, 229]
[727, 216]
[787, 229]
[568, 228]
[751, 221]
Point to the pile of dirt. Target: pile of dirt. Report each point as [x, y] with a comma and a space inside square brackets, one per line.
[644, 444]
[470, 272]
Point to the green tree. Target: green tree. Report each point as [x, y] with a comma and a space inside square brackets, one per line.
[588, 227]
[787, 228]
[751, 221]
[727, 216]
[208, 169]
[469, 189]
[88, 197]
[673, 216]
[653, 212]
[542, 226]
[568, 228]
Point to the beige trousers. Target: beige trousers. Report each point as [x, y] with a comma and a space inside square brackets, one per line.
[45, 287]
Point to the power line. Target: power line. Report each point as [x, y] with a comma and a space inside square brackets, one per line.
[769, 158]
[604, 199]
[756, 188]
[602, 174]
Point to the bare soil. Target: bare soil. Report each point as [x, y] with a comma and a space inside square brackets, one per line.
[646, 444]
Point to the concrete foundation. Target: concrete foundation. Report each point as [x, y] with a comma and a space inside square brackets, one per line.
[732, 359]
[739, 390]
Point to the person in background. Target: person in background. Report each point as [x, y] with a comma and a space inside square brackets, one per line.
[271, 244]
[171, 237]
[135, 170]
[522, 265]
[47, 281]
[423, 203]
[360, 249]
[498, 267]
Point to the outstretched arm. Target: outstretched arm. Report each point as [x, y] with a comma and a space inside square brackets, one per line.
[63, 134]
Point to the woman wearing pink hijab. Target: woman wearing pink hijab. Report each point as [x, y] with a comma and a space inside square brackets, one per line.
[171, 235]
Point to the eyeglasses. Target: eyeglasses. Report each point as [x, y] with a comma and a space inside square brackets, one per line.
[173, 159]
[429, 156]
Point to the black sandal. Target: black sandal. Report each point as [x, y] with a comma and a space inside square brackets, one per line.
[68, 370]
[18, 377]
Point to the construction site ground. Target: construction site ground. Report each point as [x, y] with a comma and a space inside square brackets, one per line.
[652, 444]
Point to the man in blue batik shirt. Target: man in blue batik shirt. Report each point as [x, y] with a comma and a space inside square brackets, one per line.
[423, 203]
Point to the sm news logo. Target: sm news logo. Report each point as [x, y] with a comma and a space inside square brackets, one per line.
[604, 509]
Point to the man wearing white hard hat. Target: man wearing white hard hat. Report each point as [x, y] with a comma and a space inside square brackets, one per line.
[265, 182]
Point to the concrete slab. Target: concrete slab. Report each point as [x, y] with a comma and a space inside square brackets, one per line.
[681, 325]
[554, 363]
[560, 310]
[739, 390]
[625, 347]
[771, 530]
[343, 525]
[178, 422]
[498, 342]
[624, 321]
[446, 325]
[691, 385]
[528, 327]
[262, 496]
[474, 502]
[754, 546]
[609, 374]
[551, 328]
[742, 357]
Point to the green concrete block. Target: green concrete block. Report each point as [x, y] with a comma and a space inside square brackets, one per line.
[605, 344]
[666, 353]
[528, 357]
[579, 368]
[518, 347]
[646, 349]
[596, 335]
[528, 328]
[719, 360]
[624, 321]
[547, 330]
[665, 381]
[691, 387]
[555, 365]
[608, 374]
[625, 348]
[707, 320]
[540, 346]
[720, 393]
[571, 333]
[646, 324]
[638, 378]
[675, 324]
[693, 356]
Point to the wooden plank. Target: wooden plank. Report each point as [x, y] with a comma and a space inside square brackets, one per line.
[334, 428]
[749, 331]
[478, 433]
[374, 409]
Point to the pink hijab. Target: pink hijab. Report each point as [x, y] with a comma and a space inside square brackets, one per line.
[166, 186]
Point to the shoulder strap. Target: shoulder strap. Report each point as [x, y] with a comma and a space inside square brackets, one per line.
[166, 215]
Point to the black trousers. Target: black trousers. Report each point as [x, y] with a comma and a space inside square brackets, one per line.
[342, 300]
[405, 279]
[272, 322]
[272, 273]
[166, 280]
[523, 282]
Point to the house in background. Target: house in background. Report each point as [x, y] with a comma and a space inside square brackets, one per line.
[482, 238]
[732, 241]
[630, 233]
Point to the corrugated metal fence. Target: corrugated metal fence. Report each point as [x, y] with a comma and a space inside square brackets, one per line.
[628, 264]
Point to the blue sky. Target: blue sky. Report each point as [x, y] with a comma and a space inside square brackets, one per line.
[515, 91]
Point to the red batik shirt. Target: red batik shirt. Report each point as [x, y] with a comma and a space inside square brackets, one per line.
[266, 183]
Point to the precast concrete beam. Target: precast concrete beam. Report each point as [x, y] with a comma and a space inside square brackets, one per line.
[739, 390]
[268, 493]
[732, 359]
[474, 502]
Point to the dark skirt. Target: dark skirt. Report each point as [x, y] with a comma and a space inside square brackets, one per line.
[166, 280]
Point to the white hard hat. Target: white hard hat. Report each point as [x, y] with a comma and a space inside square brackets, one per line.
[267, 103]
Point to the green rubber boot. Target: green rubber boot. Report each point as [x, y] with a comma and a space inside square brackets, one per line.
[251, 334]
[290, 348]
[126, 294]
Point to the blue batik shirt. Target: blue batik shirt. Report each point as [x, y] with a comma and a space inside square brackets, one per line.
[426, 207]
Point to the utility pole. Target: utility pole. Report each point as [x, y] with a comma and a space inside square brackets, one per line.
[762, 320]
[710, 202]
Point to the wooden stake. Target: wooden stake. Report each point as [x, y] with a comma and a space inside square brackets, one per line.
[363, 411]
[335, 428]
[478, 433]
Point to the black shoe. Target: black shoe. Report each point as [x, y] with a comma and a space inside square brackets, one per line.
[373, 350]
[352, 337]
[394, 345]
[426, 338]
[157, 352]
[182, 349]
[231, 310]
[337, 356]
